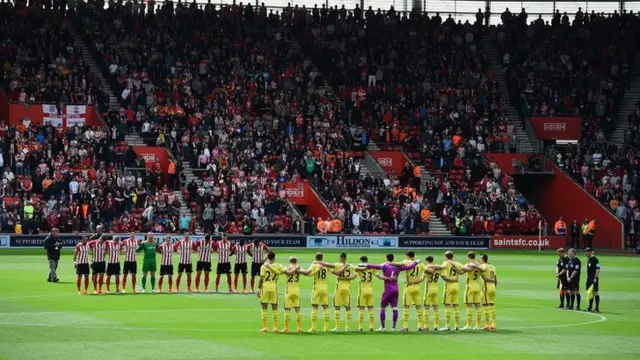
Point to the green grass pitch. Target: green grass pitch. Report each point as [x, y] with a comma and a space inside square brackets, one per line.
[41, 320]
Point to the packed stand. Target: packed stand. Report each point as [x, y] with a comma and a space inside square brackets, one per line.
[74, 179]
[575, 67]
[39, 62]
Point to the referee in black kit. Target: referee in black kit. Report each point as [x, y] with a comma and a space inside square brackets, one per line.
[593, 278]
[53, 245]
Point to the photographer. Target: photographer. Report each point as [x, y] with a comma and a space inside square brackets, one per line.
[53, 245]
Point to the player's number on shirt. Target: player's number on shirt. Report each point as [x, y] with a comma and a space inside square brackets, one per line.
[414, 271]
[366, 278]
[294, 278]
[322, 274]
[453, 272]
[268, 276]
[434, 277]
[347, 273]
[475, 275]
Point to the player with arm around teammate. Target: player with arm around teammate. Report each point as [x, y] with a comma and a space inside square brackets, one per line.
[99, 266]
[292, 295]
[113, 266]
[204, 247]
[257, 251]
[81, 263]
[166, 263]
[472, 291]
[365, 292]
[450, 274]
[342, 296]
[129, 246]
[320, 292]
[268, 289]
[431, 274]
[184, 247]
[488, 296]
[411, 294]
[240, 251]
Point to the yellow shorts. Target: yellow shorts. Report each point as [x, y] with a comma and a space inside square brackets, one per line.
[472, 296]
[269, 297]
[291, 300]
[365, 299]
[431, 298]
[342, 298]
[451, 296]
[320, 297]
[489, 297]
[411, 296]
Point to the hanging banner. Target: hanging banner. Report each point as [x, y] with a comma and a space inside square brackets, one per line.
[67, 116]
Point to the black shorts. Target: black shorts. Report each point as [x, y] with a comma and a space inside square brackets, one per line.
[203, 266]
[188, 268]
[130, 267]
[113, 269]
[255, 269]
[99, 267]
[574, 285]
[595, 285]
[562, 284]
[224, 268]
[166, 270]
[82, 269]
[240, 268]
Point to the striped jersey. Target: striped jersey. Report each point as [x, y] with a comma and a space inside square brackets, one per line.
[114, 252]
[98, 249]
[223, 248]
[204, 249]
[167, 254]
[258, 252]
[82, 253]
[184, 248]
[129, 247]
[241, 253]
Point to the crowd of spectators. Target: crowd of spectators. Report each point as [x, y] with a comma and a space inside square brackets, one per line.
[39, 61]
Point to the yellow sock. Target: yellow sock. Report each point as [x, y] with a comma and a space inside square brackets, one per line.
[486, 315]
[265, 323]
[447, 316]
[493, 315]
[326, 319]
[436, 318]
[336, 317]
[469, 316]
[287, 319]
[314, 318]
[478, 318]
[298, 319]
[456, 316]
[420, 316]
[275, 319]
[348, 324]
[371, 319]
[426, 317]
[360, 319]
[405, 318]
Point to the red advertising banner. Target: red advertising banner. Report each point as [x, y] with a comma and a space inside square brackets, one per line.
[390, 160]
[301, 193]
[557, 127]
[68, 116]
[526, 242]
[152, 155]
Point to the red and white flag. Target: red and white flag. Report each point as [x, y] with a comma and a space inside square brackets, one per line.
[72, 115]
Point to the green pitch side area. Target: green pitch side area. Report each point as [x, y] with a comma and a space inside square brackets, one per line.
[39, 320]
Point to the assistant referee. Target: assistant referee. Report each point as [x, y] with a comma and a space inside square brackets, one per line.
[593, 278]
[53, 245]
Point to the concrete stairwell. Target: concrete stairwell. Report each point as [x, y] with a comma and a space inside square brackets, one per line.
[524, 143]
[369, 165]
[628, 105]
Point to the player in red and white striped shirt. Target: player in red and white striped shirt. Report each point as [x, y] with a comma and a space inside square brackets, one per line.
[81, 263]
[223, 248]
[184, 247]
[129, 246]
[166, 266]
[204, 248]
[114, 248]
[258, 252]
[98, 249]
[240, 250]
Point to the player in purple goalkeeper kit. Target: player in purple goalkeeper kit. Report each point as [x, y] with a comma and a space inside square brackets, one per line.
[390, 295]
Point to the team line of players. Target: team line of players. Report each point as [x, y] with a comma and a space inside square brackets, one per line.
[101, 264]
[481, 282]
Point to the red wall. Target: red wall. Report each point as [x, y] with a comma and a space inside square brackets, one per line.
[390, 160]
[504, 161]
[315, 205]
[153, 154]
[558, 195]
[17, 112]
[4, 106]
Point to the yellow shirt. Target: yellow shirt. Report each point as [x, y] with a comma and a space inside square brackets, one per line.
[432, 280]
[319, 274]
[269, 275]
[474, 279]
[413, 274]
[345, 284]
[293, 282]
[18, 229]
[451, 271]
[490, 272]
[366, 280]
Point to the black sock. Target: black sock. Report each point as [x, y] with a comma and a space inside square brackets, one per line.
[597, 302]
[561, 300]
[578, 297]
[572, 300]
[590, 303]
[566, 298]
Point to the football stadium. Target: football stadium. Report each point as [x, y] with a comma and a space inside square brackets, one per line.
[295, 180]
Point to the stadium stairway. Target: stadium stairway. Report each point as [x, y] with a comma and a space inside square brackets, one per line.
[369, 165]
[522, 139]
[631, 96]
